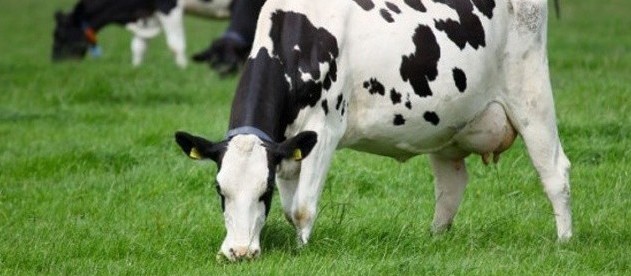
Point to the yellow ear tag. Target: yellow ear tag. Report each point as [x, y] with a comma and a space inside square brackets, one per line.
[297, 154]
[195, 154]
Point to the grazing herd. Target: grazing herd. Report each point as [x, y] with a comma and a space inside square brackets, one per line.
[397, 78]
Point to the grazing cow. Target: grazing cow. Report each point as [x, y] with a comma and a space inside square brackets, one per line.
[75, 32]
[227, 54]
[396, 78]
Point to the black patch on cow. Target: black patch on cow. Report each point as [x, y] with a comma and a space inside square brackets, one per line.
[420, 67]
[468, 30]
[343, 108]
[365, 4]
[395, 96]
[394, 8]
[262, 99]
[416, 4]
[398, 120]
[165, 6]
[485, 7]
[460, 78]
[374, 87]
[431, 117]
[339, 102]
[408, 103]
[386, 15]
[316, 46]
[266, 197]
[325, 107]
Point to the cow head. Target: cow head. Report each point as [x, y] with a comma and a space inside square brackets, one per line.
[70, 38]
[245, 182]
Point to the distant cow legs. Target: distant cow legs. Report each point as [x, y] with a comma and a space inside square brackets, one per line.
[138, 49]
[172, 24]
[449, 184]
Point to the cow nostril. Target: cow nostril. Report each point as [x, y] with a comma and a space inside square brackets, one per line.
[255, 253]
[238, 253]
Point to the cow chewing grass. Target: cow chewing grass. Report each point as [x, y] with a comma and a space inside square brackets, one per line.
[448, 78]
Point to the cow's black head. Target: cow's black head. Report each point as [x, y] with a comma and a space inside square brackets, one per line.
[71, 40]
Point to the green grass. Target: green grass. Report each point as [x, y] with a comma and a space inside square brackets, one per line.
[91, 181]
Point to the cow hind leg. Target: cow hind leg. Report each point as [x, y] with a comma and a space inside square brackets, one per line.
[172, 23]
[553, 167]
[450, 180]
[530, 107]
[533, 115]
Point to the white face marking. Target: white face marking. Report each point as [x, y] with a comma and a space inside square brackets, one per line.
[243, 180]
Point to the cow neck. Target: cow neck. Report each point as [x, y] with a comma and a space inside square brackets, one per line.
[98, 14]
[262, 97]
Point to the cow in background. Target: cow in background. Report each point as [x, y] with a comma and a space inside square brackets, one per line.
[229, 52]
[76, 32]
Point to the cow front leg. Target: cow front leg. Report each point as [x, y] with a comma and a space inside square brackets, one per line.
[172, 23]
[287, 179]
[312, 175]
[450, 180]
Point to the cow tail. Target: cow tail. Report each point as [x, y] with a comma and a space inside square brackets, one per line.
[557, 8]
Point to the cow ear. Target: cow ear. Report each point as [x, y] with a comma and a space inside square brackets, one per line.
[198, 148]
[299, 146]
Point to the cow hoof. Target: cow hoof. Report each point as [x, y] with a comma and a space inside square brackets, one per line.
[439, 230]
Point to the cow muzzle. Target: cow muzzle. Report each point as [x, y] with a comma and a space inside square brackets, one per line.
[239, 253]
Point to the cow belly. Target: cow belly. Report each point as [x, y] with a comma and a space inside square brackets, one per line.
[488, 133]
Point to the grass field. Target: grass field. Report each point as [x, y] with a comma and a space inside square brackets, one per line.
[91, 181]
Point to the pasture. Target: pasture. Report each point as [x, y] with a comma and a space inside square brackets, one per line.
[92, 182]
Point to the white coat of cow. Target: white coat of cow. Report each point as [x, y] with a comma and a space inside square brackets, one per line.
[396, 78]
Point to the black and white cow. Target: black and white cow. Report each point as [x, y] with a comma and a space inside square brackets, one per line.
[396, 78]
[76, 33]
